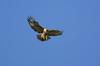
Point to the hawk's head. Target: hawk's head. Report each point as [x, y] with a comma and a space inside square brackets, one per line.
[45, 30]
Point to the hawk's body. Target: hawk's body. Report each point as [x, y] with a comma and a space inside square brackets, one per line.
[43, 33]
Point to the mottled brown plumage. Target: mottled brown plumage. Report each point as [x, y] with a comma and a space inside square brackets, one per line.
[44, 34]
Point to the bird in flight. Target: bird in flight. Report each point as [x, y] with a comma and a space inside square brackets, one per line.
[44, 33]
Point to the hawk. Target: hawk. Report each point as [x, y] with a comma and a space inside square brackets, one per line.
[44, 33]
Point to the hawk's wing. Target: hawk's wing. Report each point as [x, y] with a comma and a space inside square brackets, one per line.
[54, 32]
[35, 25]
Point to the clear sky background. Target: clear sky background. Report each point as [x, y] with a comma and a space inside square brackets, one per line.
[78, 46]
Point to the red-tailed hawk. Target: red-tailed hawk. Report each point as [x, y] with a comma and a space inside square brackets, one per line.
[44, 34]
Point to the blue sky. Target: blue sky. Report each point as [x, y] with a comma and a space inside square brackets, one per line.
[78, 46]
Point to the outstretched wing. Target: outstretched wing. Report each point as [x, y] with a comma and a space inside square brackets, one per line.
[35, 25]
[54, 32]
